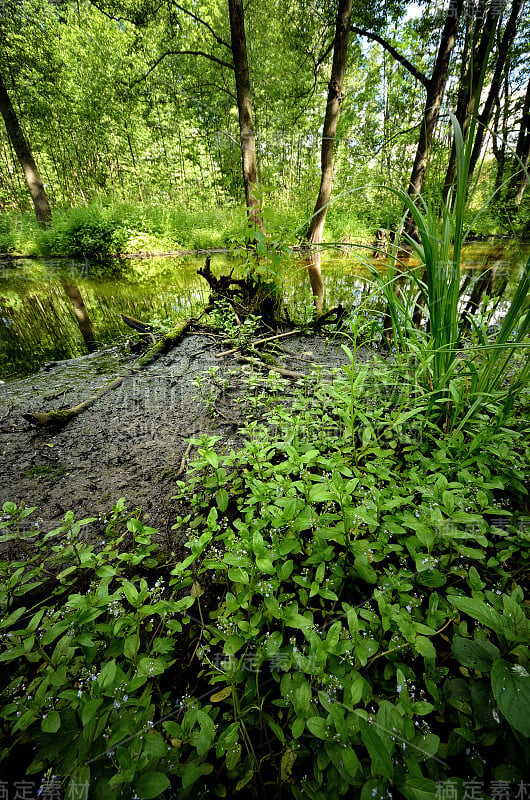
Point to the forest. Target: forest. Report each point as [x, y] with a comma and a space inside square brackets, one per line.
[264, 408]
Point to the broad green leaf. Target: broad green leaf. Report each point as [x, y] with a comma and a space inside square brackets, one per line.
[222, 695]
[318, 727]
[222, 498]
[295, 620]
[233, 756]
[89, 709]
[264, 564]
[302, 698]
[51, 722]
[15, 615]
[365, 571]
[233, 644]
[247, 777]
[131, 593]
[131, 646]
[480, 611]
[155, 744]
[288, 762]
[516, 620]
[297, 727]
[229, 737]
[380, 757]
[149, 667]
[107, 675]
[477, 654]
[351, 762]
[273, 606]
[52, 633]
[420, 789]
[191, 773]
[511, 689]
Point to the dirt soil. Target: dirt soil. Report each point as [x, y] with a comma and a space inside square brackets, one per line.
[132, 441]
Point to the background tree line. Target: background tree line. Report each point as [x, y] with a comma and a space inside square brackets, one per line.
[142, 101]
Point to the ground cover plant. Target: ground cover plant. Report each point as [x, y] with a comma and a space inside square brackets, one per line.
[350, 620]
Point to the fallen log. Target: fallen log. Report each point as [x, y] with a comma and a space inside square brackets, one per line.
[59, 418]
[143, 327]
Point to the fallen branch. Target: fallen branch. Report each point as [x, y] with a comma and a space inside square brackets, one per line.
[61, 417]
[258, 341]
[287, 373]
[184, 459]
[143, 327]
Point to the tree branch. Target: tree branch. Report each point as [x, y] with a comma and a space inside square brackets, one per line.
[119, 17]
[181, 53]
[416, 73]
[202, 22]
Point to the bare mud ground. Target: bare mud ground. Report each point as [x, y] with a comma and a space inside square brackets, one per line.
[131, 442]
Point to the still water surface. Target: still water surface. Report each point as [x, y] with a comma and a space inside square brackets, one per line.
[38, 323]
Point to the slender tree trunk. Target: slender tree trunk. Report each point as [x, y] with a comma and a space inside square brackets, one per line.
[433, 101]
[469, 83]
[499, 151]
[522, 150]
[335, 97]
[244, 106]
[25, 157]
[496, 83]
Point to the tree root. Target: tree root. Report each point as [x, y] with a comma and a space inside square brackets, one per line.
[247, 296]
[59, 418]
[334, 315]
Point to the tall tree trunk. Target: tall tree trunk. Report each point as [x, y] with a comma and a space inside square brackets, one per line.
[496, 83]
[335, 97]
[433, 101]
[25, 157]
[244, 106]
[469, 82]
[522, 151]
[499, 150]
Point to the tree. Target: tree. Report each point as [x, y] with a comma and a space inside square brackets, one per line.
[435, 86]
[433, 101]
[519, 180]
[244, 107]
[501, 62]
[25, 158]
[334, 100]
[479, 33]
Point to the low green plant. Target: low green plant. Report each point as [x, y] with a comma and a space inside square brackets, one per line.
[350, 619]
[224, 319]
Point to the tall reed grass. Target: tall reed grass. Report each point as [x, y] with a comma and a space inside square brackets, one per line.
[458, 376]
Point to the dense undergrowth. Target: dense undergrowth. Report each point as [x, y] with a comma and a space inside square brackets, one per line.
[104, 229]
[111, 228]
[351, 618]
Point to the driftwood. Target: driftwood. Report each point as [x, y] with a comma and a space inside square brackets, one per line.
[59, 418]
[258, 341]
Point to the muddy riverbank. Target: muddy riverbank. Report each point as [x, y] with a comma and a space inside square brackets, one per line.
[132, 441]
